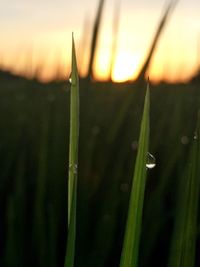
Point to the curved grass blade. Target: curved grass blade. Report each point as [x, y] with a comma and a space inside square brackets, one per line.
[183, 245]
[73, 161]
[156, 38]
[129, 255]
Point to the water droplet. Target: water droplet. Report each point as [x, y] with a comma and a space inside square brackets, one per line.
[70, 78]
[73, 168]
[151, 161]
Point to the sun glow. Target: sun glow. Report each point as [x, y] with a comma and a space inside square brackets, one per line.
[125, 67]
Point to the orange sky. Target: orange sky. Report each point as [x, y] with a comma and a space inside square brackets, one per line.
[35, 37]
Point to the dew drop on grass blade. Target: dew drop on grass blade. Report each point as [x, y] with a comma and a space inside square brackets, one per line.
[73, 160]
[151, 161]
[129, 255]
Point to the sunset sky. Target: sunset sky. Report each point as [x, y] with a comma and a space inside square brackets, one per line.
[36, 34]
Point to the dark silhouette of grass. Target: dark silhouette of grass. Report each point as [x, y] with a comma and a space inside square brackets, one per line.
[95, 34]
[96, 29]
[156, 38]
[116, 20]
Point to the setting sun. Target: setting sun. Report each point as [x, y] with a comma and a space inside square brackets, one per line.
[42, 41]
[125, 67]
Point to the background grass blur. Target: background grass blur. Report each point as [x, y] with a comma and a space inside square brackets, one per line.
[34, 132]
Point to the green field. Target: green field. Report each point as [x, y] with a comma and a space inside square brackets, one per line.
[34, 134]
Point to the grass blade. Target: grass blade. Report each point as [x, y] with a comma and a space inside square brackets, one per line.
[156, 38]
[183, 244]
[73, 160]
[95, 35]
[116, 20]
[129, 255]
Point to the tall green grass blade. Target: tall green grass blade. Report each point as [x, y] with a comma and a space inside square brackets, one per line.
[70, 252]
[182, 253]
[129, 257]
[73, 160]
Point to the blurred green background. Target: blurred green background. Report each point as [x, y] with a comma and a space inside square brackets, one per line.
[34, 134]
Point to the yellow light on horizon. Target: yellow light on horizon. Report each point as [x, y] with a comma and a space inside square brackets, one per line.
[125, 67]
